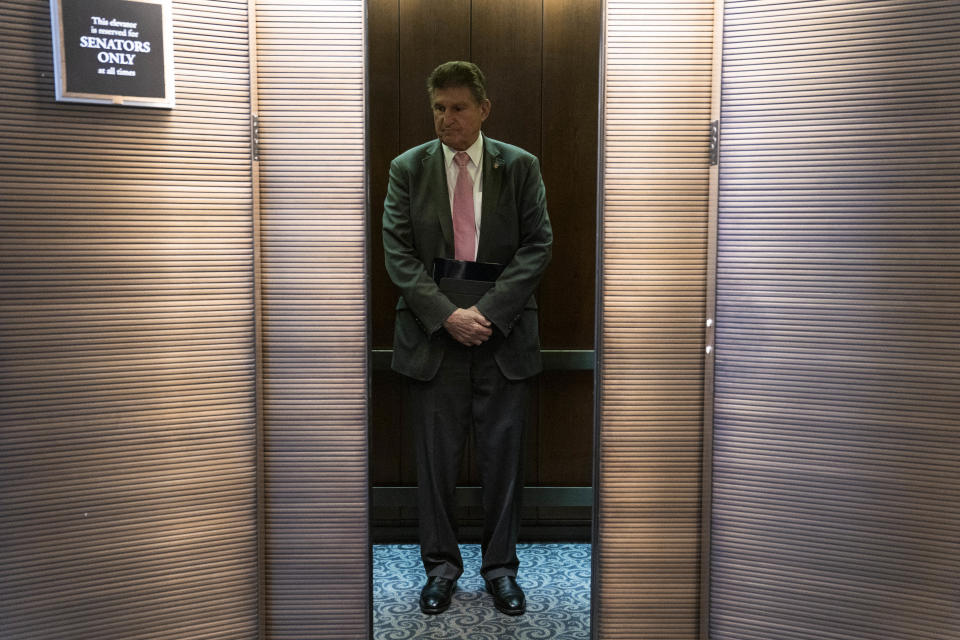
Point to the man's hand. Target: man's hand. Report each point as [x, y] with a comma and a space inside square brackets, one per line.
[468, 327]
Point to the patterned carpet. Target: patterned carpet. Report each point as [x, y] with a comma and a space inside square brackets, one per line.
[555, 577]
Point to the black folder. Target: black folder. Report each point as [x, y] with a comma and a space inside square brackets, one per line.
[464, 282]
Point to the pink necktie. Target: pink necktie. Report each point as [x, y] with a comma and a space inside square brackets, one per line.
[464, 223]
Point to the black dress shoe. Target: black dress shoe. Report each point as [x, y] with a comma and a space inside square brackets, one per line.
[436, 594]
[507, 595]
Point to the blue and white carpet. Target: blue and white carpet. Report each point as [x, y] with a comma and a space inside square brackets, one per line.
[555, 578]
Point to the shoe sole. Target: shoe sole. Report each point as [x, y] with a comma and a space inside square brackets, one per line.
[509, 612]
[436, 610]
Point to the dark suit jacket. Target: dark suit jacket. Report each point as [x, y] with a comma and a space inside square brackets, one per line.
[514, 231]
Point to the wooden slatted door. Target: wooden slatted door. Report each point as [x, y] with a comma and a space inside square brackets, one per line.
[652, 306]
[836, 503]
[127, 414]
[310, 69]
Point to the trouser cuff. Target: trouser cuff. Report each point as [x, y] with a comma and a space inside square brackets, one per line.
[493, 574]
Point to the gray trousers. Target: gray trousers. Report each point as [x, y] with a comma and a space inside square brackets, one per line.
[469, 394]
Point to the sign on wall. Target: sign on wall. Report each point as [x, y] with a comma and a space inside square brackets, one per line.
[113, 51]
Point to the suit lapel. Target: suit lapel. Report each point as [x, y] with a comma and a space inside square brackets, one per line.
[492, 179]
[435, 177]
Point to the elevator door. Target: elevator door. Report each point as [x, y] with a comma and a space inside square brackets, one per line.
[836, 496]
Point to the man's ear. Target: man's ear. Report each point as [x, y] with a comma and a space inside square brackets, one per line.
[484, 110]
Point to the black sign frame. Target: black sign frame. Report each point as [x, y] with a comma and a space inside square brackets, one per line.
[117, 52]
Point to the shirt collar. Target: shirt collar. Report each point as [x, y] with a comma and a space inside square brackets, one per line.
[475, 151]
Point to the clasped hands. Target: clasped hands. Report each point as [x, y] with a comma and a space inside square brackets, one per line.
[469, 327]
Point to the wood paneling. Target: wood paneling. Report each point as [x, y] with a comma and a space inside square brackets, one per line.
[564, 442]
[383, 144]
[507, 43]
[127, 411]
[429, 33]
[571, 86]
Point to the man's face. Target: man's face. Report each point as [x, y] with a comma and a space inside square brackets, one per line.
[457, 116]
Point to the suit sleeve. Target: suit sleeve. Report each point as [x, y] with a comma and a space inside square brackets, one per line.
[403, 262]
[515, 287]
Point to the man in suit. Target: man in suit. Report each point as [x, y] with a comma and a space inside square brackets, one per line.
[468, 362]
